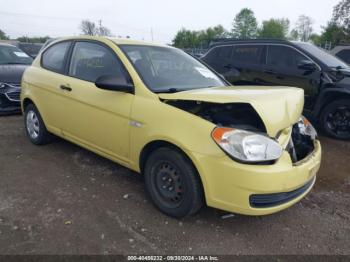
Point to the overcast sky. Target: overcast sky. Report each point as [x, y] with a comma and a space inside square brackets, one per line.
[136, 18]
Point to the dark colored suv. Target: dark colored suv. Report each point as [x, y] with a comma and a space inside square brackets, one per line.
[324, 78]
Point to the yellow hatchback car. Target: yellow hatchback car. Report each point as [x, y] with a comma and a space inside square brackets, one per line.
[161, 112]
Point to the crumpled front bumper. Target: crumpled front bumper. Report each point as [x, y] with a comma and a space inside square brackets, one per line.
[230, 185]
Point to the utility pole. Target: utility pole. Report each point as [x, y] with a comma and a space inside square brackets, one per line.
[100, 27]
[152, 34]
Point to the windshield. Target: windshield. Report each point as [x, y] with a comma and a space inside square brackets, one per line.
[166, 69]
[323, 56]
[10, 55]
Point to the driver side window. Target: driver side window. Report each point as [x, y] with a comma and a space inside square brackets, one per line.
[284, 57]
[90, 61]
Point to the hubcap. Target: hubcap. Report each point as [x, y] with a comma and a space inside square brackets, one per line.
[32, 124]
[338, 121]
[168, 183]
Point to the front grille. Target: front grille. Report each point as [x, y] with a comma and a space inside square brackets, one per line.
[271, 200]
[13, 96]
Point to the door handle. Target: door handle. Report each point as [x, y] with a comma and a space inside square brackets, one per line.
[67, 88]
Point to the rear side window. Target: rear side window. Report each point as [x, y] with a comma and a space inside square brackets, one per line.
[54, 57]
[224, 52]
[248, 54]
[344, 55]
[284, 57]
[219, 54]
[91, 60]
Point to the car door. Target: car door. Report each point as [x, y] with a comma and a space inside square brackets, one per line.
[94, 117]
[248, 59]
[283, 69]
[48, 78]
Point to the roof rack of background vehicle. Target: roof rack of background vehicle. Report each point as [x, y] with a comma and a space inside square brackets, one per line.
[220, 41]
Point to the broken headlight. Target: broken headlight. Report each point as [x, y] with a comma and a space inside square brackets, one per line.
[306, 128]
[246, 146]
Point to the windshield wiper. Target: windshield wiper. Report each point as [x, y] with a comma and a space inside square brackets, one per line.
[175, 90]
[337, 67]
[169, 90]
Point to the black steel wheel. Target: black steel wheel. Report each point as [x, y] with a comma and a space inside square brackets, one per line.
[173, 183]
[168, 183]
[335, 119]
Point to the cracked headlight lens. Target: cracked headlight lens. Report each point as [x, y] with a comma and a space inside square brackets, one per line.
[246, 146]
[306, 128]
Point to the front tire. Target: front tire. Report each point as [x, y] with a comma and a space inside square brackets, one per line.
[35, 127]
[173, 183]
[335, 119]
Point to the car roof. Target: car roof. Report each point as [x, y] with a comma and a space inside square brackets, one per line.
[5, 44]
[118, 41]
[339, 48]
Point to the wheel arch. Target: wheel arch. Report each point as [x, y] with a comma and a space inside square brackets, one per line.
[29, 100]
[329, 96]
[26, 101]
[155, 144]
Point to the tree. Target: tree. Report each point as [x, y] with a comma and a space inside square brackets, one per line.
[304, 28]
[333, 33]
[274, 28]
[186, 39]
[27, 39]
[102, 30]
[88, 27]
[294, 35]
[245, 24]
[206, 36]
[198, 39]
[3, 35]
[341, 15]
[316, 39]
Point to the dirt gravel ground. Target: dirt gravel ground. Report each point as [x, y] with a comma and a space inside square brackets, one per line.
[62, 199]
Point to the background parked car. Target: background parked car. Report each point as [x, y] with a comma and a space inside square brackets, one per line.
[342, 52]
[31, 49]
[324, 78]
[13, 62]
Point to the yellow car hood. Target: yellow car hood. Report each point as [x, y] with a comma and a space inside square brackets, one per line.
[278, 107]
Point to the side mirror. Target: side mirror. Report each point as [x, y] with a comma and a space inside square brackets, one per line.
[114, 83]
[307, 65]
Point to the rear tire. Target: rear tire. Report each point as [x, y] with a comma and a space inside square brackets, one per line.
[35, 127]
[173, 183]
[335, 119]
